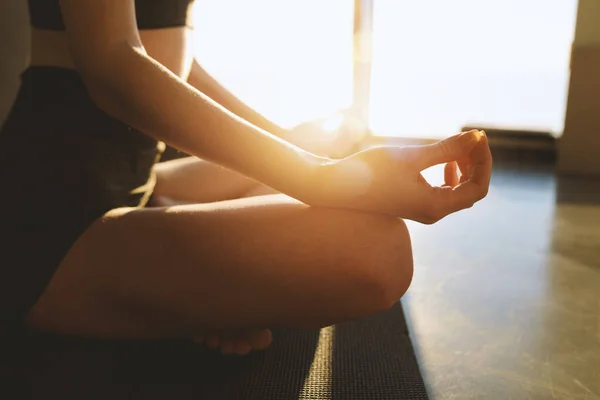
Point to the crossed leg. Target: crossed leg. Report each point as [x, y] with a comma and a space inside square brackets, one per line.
[244, 264]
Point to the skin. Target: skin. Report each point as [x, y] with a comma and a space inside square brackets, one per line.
[190, 180]
[333, 249]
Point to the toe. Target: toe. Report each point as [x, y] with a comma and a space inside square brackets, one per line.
[260, 339]
[242, 347]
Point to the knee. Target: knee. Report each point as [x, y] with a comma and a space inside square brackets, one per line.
[387, 264]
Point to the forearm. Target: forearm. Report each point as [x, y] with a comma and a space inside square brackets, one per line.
[205, 83]
[140, 92]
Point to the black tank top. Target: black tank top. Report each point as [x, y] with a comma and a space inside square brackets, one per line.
[150, 14]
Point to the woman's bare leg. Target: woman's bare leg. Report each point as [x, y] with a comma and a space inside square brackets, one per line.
[191, 180]
[241, 264]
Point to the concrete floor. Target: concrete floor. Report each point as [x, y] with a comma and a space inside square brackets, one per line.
[505, 303]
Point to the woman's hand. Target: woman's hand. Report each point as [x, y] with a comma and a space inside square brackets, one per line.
[334, 136]
[388, 179]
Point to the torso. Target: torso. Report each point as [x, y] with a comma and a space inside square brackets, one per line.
[169, 46]
[118, 160]
[66, 161]
[119, 176]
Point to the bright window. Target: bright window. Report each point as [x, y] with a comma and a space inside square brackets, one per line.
[437, 64]
[289, 59]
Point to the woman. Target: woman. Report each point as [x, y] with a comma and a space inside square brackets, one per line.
[84, 256]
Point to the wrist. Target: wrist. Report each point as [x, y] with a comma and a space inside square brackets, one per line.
[343, 183]
[312, 180]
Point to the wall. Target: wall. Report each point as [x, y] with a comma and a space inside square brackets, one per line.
[14, 35]
[579, 148]
[588, 31]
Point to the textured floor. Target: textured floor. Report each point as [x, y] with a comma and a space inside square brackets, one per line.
[367, 359]
[505, 303]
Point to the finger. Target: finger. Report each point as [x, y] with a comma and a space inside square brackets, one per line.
[483, 152]
[447, 200]
[450, 149]
[463, 167]
[480, 154]
[450, 174]
[480, 170]
[450, 200]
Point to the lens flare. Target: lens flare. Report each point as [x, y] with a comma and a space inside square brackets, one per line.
[332, 125]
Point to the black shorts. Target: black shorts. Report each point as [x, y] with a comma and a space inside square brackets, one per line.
[63, 164]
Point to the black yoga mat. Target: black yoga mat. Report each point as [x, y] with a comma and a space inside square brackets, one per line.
[367, 359]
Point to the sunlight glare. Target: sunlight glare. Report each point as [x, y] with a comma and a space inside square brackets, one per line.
[290, 60]
[437, 65]
[318, 382]
[363, 41]
[352, 178]
[333, 124]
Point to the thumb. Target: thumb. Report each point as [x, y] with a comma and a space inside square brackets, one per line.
[447, 150]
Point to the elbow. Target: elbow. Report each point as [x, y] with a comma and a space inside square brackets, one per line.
[102, 98]
[116, 98]
[106, 76]
[105, 94]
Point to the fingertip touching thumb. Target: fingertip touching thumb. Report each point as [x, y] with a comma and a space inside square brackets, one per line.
[450, 149]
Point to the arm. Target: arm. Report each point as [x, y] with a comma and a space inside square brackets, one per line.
[204, 82]
[193, 180]
[308, 135]
[131, 86]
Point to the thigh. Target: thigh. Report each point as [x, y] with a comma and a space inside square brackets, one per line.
[259, 262]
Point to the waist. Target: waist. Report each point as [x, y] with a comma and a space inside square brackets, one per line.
[168, 46]
[61, 148]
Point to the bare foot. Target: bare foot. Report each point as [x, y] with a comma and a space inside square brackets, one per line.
[237, 342]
